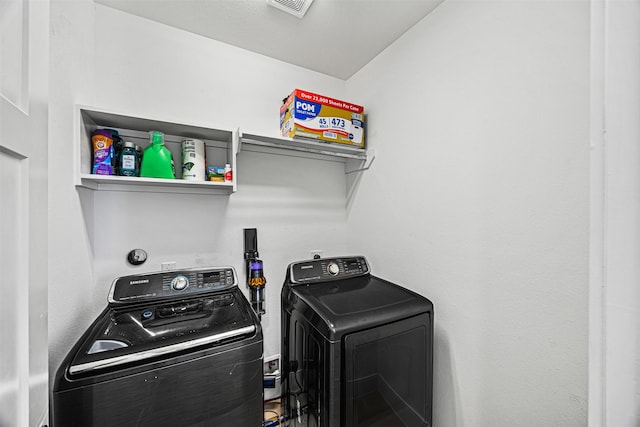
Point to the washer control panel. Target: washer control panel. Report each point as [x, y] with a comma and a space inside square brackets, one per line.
[327, 269]
[171, 284]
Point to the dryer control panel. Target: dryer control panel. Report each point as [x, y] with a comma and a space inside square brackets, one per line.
[327, 269]
[171, 284]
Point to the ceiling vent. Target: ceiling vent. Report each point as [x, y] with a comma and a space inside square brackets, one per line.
[295, 7]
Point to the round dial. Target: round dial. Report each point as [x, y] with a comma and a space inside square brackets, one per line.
[333, 268]
[179, 283]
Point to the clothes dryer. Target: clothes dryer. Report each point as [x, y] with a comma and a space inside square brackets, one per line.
[357, 350]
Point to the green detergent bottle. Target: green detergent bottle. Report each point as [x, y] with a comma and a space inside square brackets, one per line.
[157, 160]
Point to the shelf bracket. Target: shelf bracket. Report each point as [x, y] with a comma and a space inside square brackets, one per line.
[365, 165]
[238, 137]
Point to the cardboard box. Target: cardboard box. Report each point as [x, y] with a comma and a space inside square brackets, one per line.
[311, 116]
[215, 174]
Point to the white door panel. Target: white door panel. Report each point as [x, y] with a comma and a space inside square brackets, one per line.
[14, 309]
[24, 68]
[14, 38]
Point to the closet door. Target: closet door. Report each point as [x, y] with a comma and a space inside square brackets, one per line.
[24, 77]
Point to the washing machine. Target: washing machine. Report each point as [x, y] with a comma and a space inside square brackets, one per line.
[178, 348]
[357, 350]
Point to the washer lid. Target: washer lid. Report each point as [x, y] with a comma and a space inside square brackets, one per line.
[130, 334]
[354, 304]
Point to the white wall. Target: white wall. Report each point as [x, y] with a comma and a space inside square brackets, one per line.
[131, 65]
[479, 199]
[70, 257]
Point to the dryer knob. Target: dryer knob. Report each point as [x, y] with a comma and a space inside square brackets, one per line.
[333, 269]
[179, 283]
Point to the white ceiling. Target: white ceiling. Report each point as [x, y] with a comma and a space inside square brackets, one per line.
[336, 37]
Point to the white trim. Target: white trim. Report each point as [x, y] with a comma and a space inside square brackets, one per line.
[597, 232]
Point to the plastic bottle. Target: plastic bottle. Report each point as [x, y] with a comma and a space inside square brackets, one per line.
[138, 158]
[227, 173]
[157, 160]
[102, 152]
[116, 150]
[128, 161]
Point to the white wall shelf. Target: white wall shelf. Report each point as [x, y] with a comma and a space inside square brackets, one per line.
[221, 148]
[355, 158]
[156, 185]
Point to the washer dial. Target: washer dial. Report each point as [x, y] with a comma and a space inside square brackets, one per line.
[333, 268]
[179, 283]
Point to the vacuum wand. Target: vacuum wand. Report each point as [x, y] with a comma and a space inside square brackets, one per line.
[255, 271]
[256, 282]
